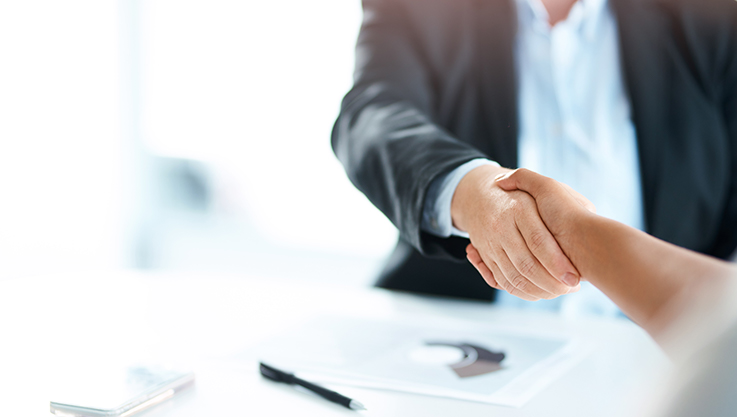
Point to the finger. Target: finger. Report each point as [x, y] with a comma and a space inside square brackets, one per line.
[540, 283]
[545, 248]
[525, 180]
[536, 185]
[507, 286]
[525, 254]
[501, 281]
[473, 256]
[515, 282]
[487, 257]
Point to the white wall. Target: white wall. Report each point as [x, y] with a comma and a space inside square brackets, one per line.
[60, 170]
[88, 87]
[253, 87]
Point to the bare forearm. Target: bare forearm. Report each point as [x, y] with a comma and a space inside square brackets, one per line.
[638, 272]
[642, 274]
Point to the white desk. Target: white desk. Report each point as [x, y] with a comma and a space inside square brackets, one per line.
[50, 325]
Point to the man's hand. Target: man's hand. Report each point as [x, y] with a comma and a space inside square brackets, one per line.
[519, 252]
[558, 204]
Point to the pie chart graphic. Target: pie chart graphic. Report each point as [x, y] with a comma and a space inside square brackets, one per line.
[475, 361]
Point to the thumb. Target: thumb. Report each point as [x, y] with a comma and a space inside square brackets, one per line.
[523, 179]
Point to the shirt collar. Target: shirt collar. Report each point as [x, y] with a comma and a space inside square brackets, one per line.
[585, 14]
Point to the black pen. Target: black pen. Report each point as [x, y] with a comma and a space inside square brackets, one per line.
[287, 378]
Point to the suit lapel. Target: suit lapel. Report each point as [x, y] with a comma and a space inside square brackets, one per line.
[669, 157]
[496, 27]
[643, 36]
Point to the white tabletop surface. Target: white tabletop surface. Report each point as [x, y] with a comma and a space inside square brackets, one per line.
[52, 325]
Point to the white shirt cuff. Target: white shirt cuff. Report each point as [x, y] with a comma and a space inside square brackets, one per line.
[436, 218]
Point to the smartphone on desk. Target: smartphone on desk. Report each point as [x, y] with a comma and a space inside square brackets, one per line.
[118, 393]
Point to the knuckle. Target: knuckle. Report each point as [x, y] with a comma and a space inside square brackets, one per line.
[527, 267]
[495, 227]
[519, 293]
[514, 291]
[519, 211]
[495, 224]
[522, 206]
[519, 282]
[505, 285]
[492, 253]
[537, 240]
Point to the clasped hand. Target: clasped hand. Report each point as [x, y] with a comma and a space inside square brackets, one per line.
[513, 245]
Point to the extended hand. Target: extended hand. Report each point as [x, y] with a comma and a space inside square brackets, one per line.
[521, 255]
[558, 204]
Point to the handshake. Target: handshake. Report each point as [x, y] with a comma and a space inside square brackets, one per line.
[523, 229]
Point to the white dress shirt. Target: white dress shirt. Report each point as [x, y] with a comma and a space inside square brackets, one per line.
[575, 126]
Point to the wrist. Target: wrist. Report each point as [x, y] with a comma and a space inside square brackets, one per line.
[477, 182]
[580, 240]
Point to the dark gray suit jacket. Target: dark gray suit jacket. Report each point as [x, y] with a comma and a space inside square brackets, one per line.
[435, 86]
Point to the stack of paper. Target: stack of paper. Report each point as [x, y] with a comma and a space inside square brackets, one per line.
[485, 364]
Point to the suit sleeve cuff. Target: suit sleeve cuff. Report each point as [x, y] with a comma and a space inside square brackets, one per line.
[436, 218]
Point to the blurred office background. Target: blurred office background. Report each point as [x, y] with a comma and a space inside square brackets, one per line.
[180, 135]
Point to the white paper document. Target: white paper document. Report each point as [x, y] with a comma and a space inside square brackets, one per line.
[455, 360]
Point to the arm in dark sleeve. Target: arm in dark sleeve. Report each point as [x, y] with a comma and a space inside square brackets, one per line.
[727, 240]
[385, 136]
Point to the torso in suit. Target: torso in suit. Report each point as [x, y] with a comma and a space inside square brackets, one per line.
[435, 87]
